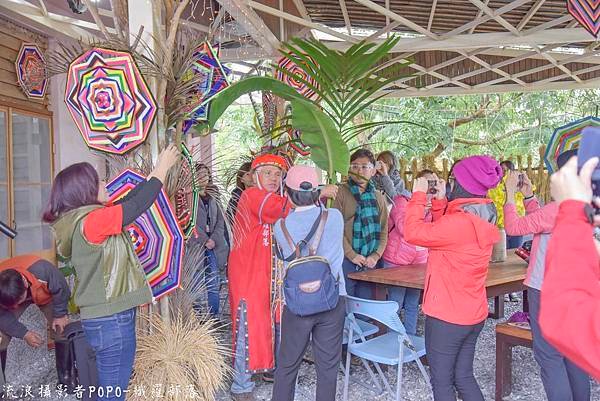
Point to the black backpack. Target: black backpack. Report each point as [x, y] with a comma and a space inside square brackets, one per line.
[309, 287]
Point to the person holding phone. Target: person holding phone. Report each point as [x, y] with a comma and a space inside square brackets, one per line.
[455, 301]
[562, 379]
[400, 252]
[570, 313]
[387, 178]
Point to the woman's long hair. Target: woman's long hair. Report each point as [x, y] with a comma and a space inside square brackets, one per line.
[74, 187]
[244, 168]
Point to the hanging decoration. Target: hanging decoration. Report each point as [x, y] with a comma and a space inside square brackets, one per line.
[30, 67]
[188, 197]
[109, 100]
[587, 13]
[566, 138]
[296, 143]
[156, 236]
[212, 79]
[293, 73]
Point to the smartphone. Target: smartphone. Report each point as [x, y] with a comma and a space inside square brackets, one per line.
[521, 181]
[432, 187]
[589, 147]
[378, 164]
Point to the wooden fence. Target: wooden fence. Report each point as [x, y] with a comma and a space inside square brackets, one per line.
[536, 173]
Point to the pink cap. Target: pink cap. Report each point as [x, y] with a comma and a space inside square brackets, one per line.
[298, 175]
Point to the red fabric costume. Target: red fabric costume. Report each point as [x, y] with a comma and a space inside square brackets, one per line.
[251, 265]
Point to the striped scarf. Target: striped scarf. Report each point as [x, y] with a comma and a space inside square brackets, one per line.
[366, 228]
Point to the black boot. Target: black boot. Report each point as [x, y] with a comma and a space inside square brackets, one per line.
[64, 365]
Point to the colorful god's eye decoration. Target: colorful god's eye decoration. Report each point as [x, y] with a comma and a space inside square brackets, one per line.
[293, 73]
[30, 67]
[566, 138]
[587, 13]
[156, 236]
[212, 78]
[109, 100]
[188, 197]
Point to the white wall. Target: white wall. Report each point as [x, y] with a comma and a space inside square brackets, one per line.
[69, 145]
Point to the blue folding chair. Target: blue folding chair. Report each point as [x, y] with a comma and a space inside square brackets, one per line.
[396, 347]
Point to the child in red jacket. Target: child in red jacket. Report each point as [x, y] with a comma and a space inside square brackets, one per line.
[570, 312]
[460, 243]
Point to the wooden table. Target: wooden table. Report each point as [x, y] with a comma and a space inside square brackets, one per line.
[508, 337]
[503, 278]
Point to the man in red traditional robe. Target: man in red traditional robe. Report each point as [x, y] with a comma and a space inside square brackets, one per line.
[253, 274]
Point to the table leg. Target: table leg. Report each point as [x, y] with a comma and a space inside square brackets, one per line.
[380, 292]
[525, 301]
[503, 367]
[498, 312]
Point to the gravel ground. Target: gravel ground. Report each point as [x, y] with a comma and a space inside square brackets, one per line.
[27, 366]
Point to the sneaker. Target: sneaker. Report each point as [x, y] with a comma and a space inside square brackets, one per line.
[514, 297]
[268, 377]
[243, 396]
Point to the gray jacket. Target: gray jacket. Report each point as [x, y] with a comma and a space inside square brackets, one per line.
[217, 230]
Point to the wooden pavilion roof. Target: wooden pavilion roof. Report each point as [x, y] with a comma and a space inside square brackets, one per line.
[456, 46]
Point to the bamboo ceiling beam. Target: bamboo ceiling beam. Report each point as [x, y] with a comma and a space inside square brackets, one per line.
[479, 15]
[396, 17]
[490, 67]
[383, 31]
[548, 24]
[532, 11]
[252, 23]
[300, 21]
[484, 18]
[346, 16]
[431, 15]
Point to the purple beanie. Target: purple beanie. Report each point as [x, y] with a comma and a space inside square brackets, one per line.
[478, 174]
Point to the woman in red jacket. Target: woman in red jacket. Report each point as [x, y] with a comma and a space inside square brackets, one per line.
[460, 241]
[570, 312]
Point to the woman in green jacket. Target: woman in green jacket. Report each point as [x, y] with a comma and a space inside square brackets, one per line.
[110, 279]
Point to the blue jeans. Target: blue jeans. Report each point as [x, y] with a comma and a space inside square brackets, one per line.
[113, 339]
[407, 298]
[562, 379]
[212, 281]
[356, 288]
[513, 242]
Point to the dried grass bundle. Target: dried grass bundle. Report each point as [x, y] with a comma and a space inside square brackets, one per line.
[184, 354]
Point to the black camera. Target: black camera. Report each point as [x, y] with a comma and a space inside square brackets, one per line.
[432, 187]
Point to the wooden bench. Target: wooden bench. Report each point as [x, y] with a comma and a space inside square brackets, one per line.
[507, 337]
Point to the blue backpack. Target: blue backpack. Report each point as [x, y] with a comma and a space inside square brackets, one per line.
[309, 287]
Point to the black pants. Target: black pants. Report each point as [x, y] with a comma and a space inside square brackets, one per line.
[450, 352]
[326, 329]
[562, 379]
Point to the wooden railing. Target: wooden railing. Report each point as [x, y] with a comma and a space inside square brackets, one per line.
[537, 173]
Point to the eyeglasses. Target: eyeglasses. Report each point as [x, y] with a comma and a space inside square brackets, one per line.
[359, 167]
[270, 174]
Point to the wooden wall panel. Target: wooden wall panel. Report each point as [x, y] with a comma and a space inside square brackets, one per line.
[11, 37]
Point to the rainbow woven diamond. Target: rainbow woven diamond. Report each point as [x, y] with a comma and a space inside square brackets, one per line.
[212, 78]
[187, 200]
[30, 67]
[157, 238]
[293, 73]
[109, 100]
[565, 138]
[587, 13]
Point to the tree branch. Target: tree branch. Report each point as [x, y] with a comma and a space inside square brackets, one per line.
[499, 138]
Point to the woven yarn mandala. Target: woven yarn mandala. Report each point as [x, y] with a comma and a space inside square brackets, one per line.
[212, 78]
[566, 138]
[293, 73]
[587, 13]
[156, 236]
[187, 198]
[109, 100]
[30, 67]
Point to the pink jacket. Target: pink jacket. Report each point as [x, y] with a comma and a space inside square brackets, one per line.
[398, 251]
[539, 221]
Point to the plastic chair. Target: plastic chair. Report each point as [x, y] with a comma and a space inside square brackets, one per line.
[361, 329]
[395, 347]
